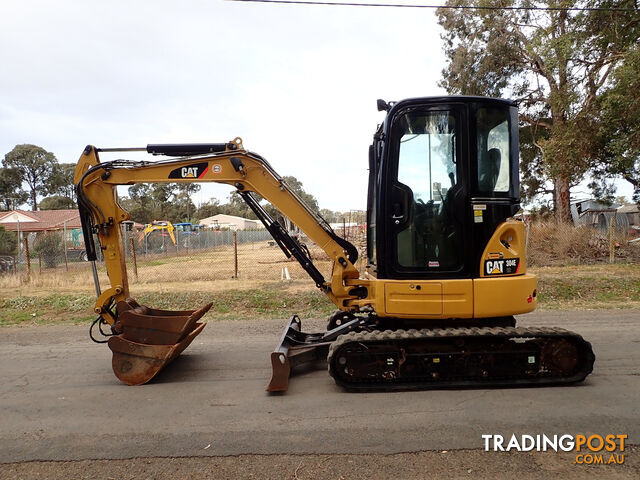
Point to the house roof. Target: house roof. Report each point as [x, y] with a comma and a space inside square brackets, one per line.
[39, 221]
[222, 216]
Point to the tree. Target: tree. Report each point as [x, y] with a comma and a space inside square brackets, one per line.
[209, 209]
[296, 186]
[57, 202]
[556, 63]
[160, 201]
[61, 181]
[36, 167]
[329, 215]
[183, 198]
[619, 125]
[11, 193]
[8, 242]
[172, 202]
[139, 203]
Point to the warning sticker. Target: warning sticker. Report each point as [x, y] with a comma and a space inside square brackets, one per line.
[502, 267]
[477, 216]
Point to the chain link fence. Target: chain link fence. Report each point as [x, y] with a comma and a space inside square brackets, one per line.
[553, 244]
[159, 257]
[58, 258]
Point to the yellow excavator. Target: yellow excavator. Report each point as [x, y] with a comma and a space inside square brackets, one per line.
[155, 226]
[446, 263]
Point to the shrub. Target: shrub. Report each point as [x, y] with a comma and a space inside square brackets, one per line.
[551, 243]
[50, 247]
[8, 242]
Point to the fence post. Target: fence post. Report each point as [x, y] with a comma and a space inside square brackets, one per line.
[235, 253]
[26, 255]
[64, 241]
[612, 243]
[132, 249]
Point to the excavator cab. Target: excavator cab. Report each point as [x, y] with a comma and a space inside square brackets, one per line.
[443, 176]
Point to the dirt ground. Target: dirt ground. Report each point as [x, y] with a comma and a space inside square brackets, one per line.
[456, 464]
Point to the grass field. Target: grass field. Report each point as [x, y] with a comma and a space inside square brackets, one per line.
[61, 297]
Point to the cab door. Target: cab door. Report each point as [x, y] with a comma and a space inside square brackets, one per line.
[426, 209]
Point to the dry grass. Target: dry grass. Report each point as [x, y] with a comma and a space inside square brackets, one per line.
[60, 296]
[212, 269]
[563, 244]
[581, 287]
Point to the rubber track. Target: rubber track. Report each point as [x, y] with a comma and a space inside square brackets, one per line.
[379, 336]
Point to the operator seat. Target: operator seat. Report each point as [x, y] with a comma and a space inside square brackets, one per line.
[488, 171]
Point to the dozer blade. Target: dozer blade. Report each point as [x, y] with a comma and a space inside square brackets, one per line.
[150, 339]
[295, 348]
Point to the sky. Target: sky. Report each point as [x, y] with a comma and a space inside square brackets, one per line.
[298, 83]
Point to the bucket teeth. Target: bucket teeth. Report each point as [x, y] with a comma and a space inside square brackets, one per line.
[149, 339]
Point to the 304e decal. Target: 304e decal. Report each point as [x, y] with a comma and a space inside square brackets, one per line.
[195, 170]
[501, 267]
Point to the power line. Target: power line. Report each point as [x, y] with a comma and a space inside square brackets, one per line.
[453, 7]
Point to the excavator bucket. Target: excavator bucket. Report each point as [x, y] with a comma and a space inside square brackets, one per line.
[150, 339]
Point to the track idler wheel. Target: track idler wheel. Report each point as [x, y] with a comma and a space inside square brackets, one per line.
[560, 356]
[150, 339]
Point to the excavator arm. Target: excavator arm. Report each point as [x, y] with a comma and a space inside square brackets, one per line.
[143, 330]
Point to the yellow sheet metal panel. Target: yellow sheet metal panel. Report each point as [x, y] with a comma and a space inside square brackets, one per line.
[505, 253]
[457, 298]
[413, 298]
[501, 296]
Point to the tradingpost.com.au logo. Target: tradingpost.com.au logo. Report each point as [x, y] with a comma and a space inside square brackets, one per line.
[590, 449]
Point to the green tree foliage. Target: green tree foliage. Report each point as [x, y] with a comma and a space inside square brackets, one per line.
[61, 182]
[36, 166]
[618, 133]
[237, 206]
[50, 247]
[57, 202]
[208, 209]
[182, 199]
[11, 193]
[160, 201]
[296, 186]
[172, 202]
[330, 216]
[557, 63]
[139, 203]
[8, 242]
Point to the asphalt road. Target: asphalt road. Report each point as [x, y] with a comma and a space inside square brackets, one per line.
[59, 399]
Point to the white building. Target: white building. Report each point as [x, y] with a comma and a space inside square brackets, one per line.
[231, 222]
